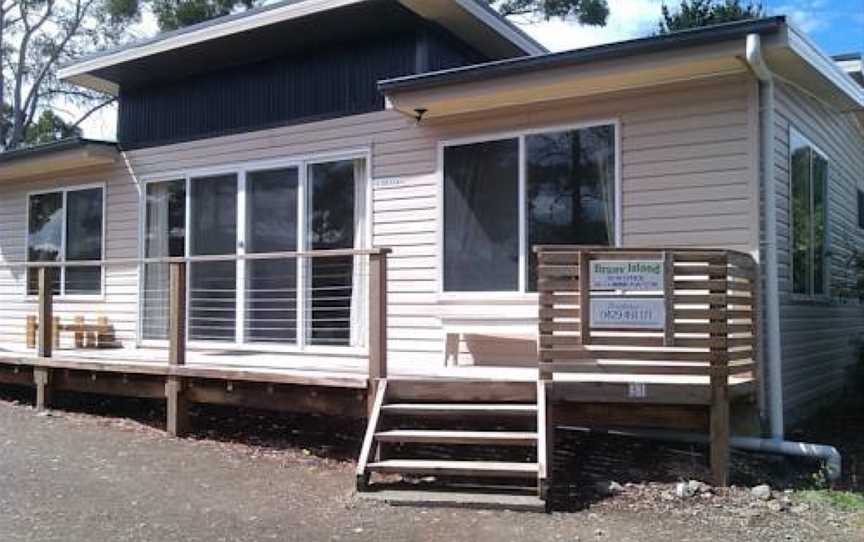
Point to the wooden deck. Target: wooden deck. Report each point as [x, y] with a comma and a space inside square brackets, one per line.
[682, 370]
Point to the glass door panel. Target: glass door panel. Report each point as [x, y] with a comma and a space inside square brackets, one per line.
[164, 235]
[213, 285]
[331, 218]
[271, 285]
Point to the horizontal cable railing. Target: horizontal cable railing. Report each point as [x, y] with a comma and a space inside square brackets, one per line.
[319, 298]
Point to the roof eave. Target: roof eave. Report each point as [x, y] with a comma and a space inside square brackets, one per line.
[81, 72]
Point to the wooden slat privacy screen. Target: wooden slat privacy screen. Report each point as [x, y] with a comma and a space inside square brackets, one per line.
[711, 313]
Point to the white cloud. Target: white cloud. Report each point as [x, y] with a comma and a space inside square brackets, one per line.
[808, 15]
[628, 19]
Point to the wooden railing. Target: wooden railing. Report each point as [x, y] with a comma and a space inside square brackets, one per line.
[695, 315]
[376, 298]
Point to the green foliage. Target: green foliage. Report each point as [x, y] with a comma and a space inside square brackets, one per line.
[845, 501]
[49, 127]
[699, 13]
[173, 14]
[590, 12]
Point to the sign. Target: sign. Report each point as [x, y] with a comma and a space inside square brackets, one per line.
[632, 275]
[632, 313]
[637, 390]
[386, 182]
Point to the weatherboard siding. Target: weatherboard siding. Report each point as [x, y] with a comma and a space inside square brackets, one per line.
[818, 336]
[120, 300]
[688, 180]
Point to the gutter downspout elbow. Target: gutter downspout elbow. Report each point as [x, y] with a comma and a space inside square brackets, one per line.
[773, 363]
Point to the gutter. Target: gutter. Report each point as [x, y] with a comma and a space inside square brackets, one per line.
[774, 380]
[577, 57]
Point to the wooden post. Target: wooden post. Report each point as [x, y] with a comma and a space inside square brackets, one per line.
[545, 439]
[377, 321]
[31, 331]
[177, 411]
[585, 297]
[177, 314]
[719, 378]
[42, 378]
[79, 331]
[55, 331]
[46, 309]
[103, 338]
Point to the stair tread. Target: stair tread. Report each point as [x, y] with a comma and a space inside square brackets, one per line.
[432, 466]
[456, 437]
[491, 408]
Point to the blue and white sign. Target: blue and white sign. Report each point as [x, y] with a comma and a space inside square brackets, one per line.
[630, 275]
[632, 313]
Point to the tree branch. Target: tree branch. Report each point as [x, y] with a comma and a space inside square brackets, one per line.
[94, 109]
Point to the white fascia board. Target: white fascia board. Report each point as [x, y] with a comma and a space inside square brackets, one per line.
[503, 28]
[804, 47]
[205, 33]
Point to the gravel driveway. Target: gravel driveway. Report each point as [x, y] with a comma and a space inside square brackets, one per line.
[76, 477]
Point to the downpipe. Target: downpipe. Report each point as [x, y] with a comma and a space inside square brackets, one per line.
[776, 444]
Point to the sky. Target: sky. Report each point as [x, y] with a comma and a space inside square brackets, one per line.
[836, 25]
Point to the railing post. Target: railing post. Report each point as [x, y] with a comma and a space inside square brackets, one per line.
[177, 314]
[46, 313]
[719, 378]
[377, 319]
[177, 412]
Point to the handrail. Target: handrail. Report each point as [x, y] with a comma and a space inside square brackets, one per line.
[201, 258]
[377, 288]
[606, 248]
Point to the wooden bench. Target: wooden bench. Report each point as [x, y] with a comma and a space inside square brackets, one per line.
[98, 335]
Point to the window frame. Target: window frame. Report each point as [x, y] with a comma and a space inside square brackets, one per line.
[521, 293]
[64, 190]
[241, 169]
[810, 294]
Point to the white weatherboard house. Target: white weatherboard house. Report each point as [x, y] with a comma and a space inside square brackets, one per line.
[440, 131]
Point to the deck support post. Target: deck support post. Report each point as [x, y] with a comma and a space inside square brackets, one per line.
[177, 314]
[42, 378]
[45, 333]
[545, 439]
[177, 410]
[377, 322]
[719, 379]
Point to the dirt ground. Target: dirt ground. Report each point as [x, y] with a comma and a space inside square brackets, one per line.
[76, 475]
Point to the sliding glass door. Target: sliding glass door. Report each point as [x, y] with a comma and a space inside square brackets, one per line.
[279, 301]
[271, 285]
[213, 285]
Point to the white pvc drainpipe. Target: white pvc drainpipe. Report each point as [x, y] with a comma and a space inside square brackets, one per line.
[829, 455]
[776, 444]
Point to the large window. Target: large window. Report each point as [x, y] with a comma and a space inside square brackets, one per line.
[260, 210]
[66, 226]
[809, 180]
[565, 181]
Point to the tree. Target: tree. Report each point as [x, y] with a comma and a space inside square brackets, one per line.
[36, 36]
[699, 13]
[173, 14]
[590, 12]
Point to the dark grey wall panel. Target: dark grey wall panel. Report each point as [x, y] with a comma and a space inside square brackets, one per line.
[326, 82]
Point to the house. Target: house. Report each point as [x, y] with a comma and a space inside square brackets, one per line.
[440, 131]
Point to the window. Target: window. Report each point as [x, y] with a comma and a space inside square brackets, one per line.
[809, 180]
[566, 181]
[259, 210]
[66, 226]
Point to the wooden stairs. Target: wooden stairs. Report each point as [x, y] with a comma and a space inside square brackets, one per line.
[456, 442]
